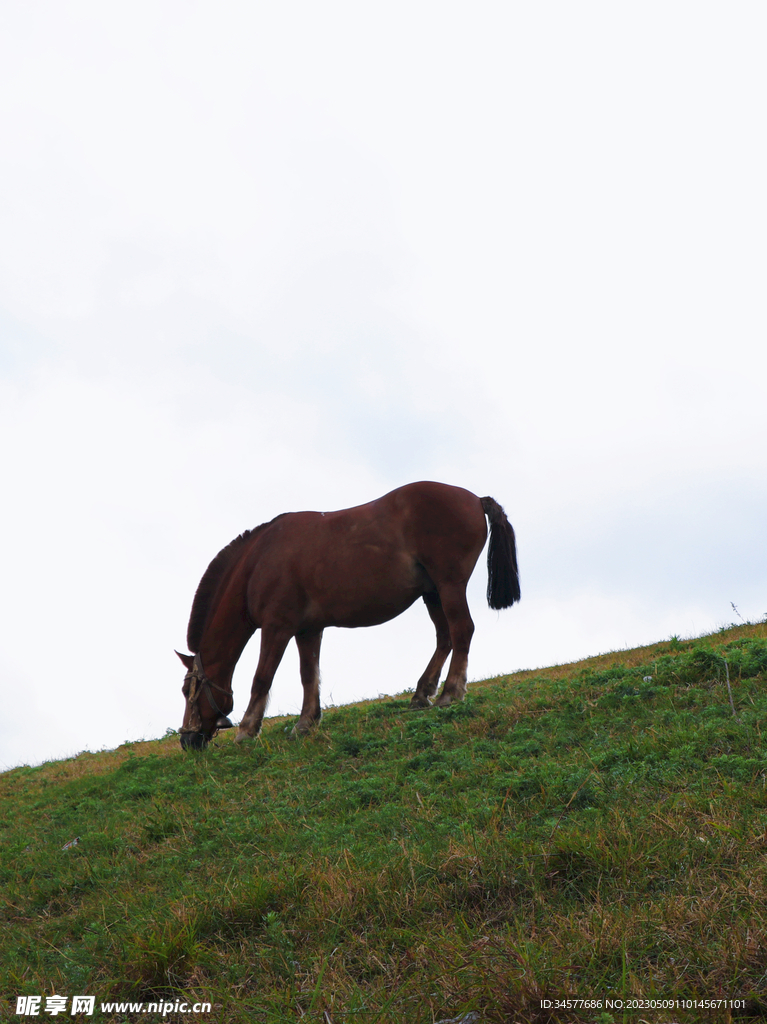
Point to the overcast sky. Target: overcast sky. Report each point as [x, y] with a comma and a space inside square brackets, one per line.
[261, 257]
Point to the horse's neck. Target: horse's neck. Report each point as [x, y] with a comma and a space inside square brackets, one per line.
[227, 631]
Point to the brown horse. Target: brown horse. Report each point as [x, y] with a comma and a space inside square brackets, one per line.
[360, 566]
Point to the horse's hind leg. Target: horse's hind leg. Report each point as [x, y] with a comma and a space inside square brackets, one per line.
[429, 681]
[273, 644]
[456, 609]
[308, 645]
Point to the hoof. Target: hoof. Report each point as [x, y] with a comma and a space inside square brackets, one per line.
[299, 730]
[444, 701]
[243, 737]
[420, 702]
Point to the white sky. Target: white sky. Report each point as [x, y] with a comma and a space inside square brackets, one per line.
[261, 257]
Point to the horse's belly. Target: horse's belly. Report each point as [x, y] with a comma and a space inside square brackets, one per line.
[371, 613]
[344, 596]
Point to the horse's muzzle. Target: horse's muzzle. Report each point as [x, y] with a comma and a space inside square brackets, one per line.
[193, 741]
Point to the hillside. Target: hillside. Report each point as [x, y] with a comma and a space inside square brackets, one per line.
[581, 832]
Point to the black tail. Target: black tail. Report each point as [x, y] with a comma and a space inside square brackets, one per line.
[502, 572]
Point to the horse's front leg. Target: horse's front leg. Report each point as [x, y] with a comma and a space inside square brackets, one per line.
[308, 645]
[273, 644]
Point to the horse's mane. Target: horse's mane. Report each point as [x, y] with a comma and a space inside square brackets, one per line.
[210, 581]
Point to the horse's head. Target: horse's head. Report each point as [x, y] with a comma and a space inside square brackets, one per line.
[202, 715]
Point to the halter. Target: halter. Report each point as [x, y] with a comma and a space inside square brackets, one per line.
[197, 673]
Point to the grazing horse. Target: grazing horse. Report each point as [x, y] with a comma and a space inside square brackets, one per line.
[360, 566]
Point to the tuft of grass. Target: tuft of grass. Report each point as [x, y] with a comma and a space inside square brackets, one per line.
[587, 831]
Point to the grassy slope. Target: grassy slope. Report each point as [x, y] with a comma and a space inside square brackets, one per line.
[574, 831]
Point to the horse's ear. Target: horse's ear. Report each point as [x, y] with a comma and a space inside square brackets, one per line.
[186, 659]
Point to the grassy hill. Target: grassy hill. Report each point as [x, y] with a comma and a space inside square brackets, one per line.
[594, 831]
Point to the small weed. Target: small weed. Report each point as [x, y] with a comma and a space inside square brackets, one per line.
[157, 963]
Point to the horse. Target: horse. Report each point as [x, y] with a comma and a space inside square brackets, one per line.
[304, 571]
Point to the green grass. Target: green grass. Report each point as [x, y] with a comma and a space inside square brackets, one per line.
[572, 832]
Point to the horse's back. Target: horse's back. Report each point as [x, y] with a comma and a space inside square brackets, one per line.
[420, 515]
[438, 528]
[445, 526]
[429, 497]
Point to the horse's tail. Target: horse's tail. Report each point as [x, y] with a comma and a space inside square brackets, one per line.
[502, 572]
